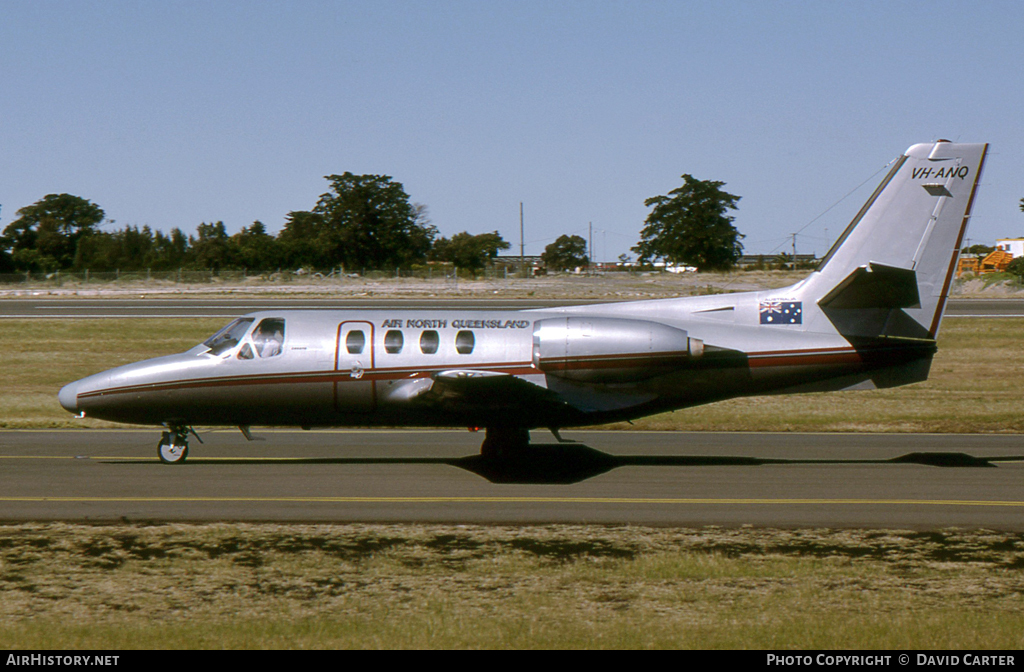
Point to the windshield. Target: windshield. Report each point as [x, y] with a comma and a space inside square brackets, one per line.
[228, 337]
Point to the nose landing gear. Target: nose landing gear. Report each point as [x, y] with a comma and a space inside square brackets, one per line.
[173, 446]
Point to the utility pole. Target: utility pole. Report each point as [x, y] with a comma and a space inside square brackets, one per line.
[522, 254]
[794, 250]
[590, 237]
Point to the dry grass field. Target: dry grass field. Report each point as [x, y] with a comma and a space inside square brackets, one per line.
[424, 586]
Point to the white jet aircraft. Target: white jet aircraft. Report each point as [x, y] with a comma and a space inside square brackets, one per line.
[868, 317]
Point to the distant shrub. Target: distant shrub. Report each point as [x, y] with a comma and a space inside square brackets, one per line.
[1016, 268]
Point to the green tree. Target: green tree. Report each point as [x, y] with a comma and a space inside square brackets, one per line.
[132, 249]
[127, 249]
[1016, 267]
[46, 235]
[465, 250]
[211, 248]
[690, 227]
[364, 221]
[297, 241]
[978, 249]
[567, 252]
[256, 249]
[170, 252]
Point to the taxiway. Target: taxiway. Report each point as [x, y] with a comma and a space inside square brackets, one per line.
[642, 478]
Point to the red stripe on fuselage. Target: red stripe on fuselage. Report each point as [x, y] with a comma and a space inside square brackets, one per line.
[811, 357]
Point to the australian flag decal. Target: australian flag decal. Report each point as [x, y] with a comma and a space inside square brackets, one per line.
[781, 312]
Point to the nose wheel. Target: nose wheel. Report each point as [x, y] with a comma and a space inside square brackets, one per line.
[173, 447]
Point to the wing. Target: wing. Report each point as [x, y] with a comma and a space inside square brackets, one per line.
[460, 389]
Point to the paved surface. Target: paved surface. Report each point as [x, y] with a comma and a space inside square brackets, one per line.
[648, 478]
[43, 307]
[181, 307]
[985, 308]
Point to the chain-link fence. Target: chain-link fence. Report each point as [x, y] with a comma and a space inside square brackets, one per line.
[301, 276]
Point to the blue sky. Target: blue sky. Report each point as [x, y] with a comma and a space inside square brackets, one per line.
[173, 113]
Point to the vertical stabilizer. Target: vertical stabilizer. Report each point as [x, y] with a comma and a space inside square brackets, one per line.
[890, 272]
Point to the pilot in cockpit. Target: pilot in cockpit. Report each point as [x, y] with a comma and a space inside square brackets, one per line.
[269, 337]
[272, 346]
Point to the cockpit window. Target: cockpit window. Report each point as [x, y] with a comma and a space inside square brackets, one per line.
[228, 337]
[268, 338]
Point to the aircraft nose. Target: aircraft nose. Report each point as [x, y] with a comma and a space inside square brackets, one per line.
[68, 397]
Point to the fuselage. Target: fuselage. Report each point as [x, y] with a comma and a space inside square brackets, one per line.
[593, 363]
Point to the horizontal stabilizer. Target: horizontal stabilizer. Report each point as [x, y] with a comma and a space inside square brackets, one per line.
[875, 286]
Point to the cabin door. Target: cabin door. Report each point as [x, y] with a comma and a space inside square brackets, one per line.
[354, 387]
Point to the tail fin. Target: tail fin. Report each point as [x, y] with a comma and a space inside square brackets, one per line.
[890, 272]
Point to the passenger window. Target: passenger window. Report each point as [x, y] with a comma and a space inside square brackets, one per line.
[464, 342]
[393, 342]
[355, 342]
[429, 340]
[268, 338]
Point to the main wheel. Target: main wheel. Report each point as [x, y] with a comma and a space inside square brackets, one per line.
[504, 442]
[170, 452]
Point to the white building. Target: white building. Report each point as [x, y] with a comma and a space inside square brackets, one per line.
[1014, 246]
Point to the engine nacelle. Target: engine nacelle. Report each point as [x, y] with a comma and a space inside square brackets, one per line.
[609, 350]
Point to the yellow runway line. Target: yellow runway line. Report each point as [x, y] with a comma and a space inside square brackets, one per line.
[524, 500]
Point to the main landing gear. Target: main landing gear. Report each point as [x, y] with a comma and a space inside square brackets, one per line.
[504, 441]
[173, 446]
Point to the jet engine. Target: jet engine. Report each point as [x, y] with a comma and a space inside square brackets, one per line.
[610, 350]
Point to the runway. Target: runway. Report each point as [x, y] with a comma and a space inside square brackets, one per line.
[87, 308]
[637, 478]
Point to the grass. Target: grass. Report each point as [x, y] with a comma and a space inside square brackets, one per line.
[996, 278]
[431, 586]
[973, 385]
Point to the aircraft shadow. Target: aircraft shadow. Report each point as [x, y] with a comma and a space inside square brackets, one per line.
[567, 463]
[572, 463]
